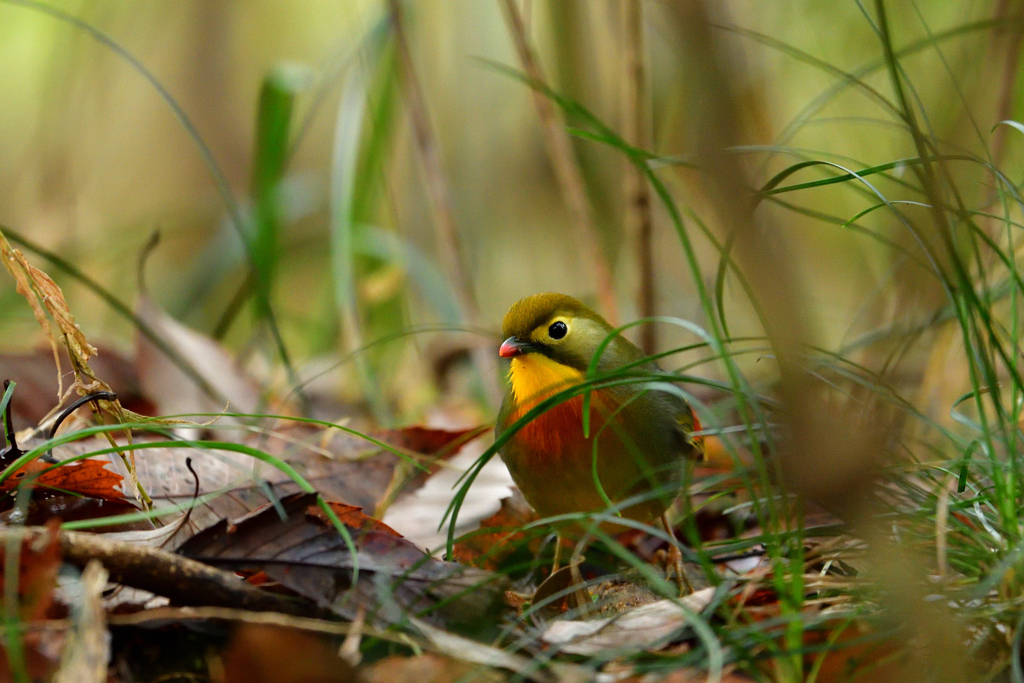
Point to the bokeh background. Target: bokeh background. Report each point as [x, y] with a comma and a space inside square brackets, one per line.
[94, 159]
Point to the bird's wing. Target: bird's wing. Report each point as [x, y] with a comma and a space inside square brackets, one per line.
[687, 423]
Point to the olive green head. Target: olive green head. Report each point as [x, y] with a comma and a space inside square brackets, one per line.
[563, 329]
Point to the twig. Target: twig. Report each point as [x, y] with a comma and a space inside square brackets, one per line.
[183, 581]
[441, 200]
[559, 147]
[638, 219]
[437, 185]
[162, 614]
[349, 650]
[434, 639]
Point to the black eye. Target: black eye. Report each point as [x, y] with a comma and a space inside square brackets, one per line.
[557, 330]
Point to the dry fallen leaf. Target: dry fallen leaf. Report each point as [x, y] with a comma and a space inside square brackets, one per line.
[438, 445]
[500, 534]
[352, 516]
[268, 654]
[310, 557]
[642, 628]
[39, 561]
[38, 564]
[87, 477]
[417, 516]
[210, 382]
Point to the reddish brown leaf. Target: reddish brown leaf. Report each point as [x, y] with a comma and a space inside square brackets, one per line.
[272, 654]
[88, 477]
[38, 563]
[352, 516]
[260, 578]
[308, 556]
[500, 535]
[430, 441]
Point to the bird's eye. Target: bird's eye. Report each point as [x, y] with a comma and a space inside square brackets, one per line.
[557, 330]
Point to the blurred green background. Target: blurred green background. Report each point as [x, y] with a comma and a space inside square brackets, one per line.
[93, 160]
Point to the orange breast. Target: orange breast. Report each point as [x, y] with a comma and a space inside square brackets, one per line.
[556, 434]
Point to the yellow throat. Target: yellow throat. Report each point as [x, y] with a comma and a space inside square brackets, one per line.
[535, 377]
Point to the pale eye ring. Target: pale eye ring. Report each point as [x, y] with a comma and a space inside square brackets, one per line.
[558, 329]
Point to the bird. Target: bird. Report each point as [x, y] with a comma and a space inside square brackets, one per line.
[644, 436]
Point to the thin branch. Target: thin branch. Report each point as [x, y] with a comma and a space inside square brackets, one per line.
[437, 184]
[638, 219]
[567, 171]
[182, 580]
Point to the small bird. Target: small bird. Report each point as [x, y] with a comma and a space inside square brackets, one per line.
[644, 436]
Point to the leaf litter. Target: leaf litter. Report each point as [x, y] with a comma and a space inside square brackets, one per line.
[277, 534]
[303, 552]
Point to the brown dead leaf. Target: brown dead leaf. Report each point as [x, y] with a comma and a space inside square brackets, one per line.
[644, 628]
[438, 445]
[273, 654]
[199, 375]
[348, 474]
[352, 516]
[308, 556]
[428, 668]
[38, 564]
[429, 441]
[87, 477]
[500, 535]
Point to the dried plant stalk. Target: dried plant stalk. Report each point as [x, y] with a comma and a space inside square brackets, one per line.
[437, 184]
[567, 171]
[48, 302]
[638, 220]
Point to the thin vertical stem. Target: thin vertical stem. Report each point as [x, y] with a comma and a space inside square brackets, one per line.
[1009, 38]
[638, 221]
[445, 225]
[437, 184]
[567, 171]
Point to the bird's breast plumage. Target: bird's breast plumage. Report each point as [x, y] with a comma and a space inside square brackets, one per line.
[551, 460]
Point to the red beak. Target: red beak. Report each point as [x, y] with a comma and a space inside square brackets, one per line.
[512, 347]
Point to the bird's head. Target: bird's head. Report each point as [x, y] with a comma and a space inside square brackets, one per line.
[558, 327]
